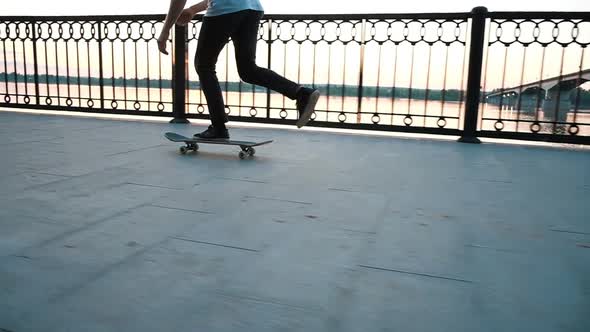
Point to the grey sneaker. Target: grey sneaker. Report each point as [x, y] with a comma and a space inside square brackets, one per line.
[306, 100]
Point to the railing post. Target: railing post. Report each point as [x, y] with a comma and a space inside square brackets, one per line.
[269, 64]
[100, 28]
[478, 26]
[179, 64]
[361, 72]
[35, 62]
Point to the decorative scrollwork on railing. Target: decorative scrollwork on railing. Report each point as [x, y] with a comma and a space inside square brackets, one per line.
[384, 72]
[542, 91]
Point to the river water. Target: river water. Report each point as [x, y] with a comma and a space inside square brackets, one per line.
[383, 110]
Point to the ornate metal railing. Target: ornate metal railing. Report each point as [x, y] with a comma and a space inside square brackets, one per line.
[90, 64]
[535, 64]
[452, 74]
[368, 68]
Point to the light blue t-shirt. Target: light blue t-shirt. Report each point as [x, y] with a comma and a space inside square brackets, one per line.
[220, 7]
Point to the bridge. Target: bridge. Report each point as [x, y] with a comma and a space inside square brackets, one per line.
[552, 94]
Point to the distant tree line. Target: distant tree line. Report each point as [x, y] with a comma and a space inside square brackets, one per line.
[332, 89]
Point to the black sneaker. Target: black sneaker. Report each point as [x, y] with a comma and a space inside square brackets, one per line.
[213, 133]
[306, 101]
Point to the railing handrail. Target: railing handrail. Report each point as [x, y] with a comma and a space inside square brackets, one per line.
[82, 18]
[540, 15]
[308, 17]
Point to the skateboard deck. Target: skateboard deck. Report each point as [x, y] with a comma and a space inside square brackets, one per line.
[192, 144]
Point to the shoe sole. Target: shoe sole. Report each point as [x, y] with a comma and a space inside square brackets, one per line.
[309, 108]
[213, 139]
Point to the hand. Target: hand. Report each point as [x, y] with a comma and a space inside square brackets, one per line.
[162, 41]
[185, 17]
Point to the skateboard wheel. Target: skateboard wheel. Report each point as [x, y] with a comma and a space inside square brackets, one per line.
[195, 147]
[242, 155]
[183, 150]
[248, 150]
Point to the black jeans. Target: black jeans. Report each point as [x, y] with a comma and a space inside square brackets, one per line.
[242, 28]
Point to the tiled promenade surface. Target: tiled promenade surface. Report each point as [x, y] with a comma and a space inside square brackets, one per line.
[104, 226]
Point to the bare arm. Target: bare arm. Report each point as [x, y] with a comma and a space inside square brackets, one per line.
[201, 6]
[188, 14]
[176, 7]
[176, 13]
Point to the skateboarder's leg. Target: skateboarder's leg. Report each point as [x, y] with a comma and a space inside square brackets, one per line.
[245, 39]
[214, 35]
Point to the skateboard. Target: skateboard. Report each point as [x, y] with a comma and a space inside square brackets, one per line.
[192, 144]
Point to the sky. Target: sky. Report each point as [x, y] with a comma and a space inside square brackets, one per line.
[105, 7]
[402, 63]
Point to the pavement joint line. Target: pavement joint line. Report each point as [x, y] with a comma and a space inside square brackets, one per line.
[151, 186]
[344, 190]
[494, 181]
[358, 231]
[567, 231]
[415, 273]
[179, 209]
[242, 180]
[23, 256]
[277, 199]
[214, 244]
[264, 301]
[52, 174]
[491, 248]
